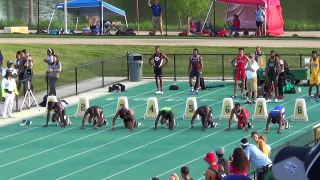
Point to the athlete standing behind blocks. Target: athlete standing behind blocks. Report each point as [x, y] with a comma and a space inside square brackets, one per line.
[314, 77]
[243, 116]
[194, 70]
[158, 58]
[241, 61]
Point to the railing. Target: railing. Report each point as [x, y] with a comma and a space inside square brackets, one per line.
[216, 66]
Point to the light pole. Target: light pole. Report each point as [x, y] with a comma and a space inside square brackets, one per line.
[38, 30]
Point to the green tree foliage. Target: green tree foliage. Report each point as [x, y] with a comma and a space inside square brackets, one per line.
[190, 8]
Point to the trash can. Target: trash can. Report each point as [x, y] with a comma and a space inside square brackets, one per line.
[135, 63]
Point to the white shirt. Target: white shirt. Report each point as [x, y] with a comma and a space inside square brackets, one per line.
[256, 156]
[14, 72]
[8, 84]
[254, 66]
[281, 65]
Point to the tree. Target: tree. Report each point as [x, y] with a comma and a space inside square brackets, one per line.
[31, 19]
[190, 8]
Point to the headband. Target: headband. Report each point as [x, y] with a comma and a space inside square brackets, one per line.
[245, 144]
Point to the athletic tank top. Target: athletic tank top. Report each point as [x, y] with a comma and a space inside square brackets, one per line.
[272, 68]
[238, 114]
[158, 59]
[166, 109]
[314, 67]
[277, 110]
[195, 62]
[241, 62]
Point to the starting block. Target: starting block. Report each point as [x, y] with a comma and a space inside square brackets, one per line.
[49, 99]
[83, 105]
[122, 102]
[191, 107]
[227, 106]
[152, 108]
[300, 111]
[260, 110]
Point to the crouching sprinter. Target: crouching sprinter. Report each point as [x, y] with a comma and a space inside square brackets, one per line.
[166, 117]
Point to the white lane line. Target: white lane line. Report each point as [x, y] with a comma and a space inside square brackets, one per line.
[103, 145]
[18, 160]
[35, 140]
[4, 137]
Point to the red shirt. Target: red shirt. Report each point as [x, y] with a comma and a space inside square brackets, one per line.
[236, 23]
[236, 171]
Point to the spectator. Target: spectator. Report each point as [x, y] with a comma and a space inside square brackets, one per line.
[297, 163]
[50, 56]
[314, 76]
[223, 32]
[259, 14]
[221, 161]
[173, 176]
[192, 27]
[235, 24]
[155, 178]
[9, 67]
[260, 143]
[156, 16]
[256, 157]
[264, 138]
[1, 61]
[8, 91]
[28, 74]
[239, 163]
[195, 70]
[158, 63]
[185, 173]
[17, 61]
[21, 72]
[272, 75]
[258, 52]
[212, 172]
[240, 74]
[281, 76]
[54, 70]
[251, 74]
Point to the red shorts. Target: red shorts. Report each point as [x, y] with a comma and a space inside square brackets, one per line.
[241, 120]
[240, 74]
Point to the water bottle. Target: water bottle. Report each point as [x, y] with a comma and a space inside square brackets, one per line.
[299, 89]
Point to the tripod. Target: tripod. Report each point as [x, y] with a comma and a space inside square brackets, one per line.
[28, 94]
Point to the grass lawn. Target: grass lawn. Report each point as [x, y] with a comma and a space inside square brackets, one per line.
[77, 55]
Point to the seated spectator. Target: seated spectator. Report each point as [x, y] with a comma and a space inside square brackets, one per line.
[192, 28]
[185, 173]
[239, 164]
[264, 138]
[260, 143]
[235, 24]
[223, 32]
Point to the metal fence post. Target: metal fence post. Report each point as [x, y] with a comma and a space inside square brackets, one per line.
[76, 73]
[102, 73]
[174, 68]
[222, 60]
[127, 66]
[300, 60]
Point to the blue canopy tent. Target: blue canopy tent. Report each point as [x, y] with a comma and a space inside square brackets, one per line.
[90, 8]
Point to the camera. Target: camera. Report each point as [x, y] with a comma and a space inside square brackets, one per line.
[29, 73]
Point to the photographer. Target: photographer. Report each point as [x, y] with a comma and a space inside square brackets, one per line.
[53, 74]
[29, 71]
